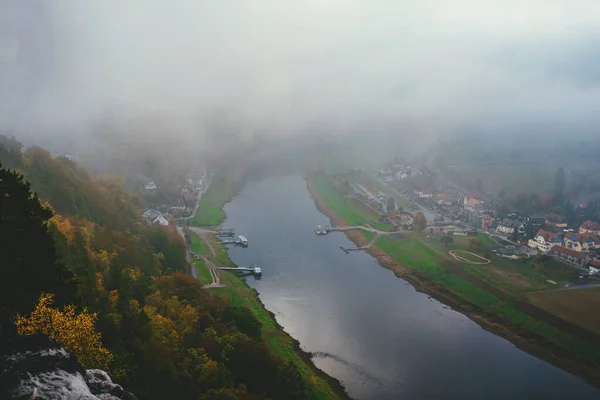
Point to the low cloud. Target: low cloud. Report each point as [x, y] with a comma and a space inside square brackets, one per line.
[289, 68]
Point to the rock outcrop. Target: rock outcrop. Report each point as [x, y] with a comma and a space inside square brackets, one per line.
[36, 367]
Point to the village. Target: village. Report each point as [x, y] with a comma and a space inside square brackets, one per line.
[452, 211]
[184, 204]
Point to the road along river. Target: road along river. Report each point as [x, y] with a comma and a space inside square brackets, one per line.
[366, 327]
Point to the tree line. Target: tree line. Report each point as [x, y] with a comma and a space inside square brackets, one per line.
[76, 257]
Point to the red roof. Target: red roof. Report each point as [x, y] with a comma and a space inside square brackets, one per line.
[548, 236]
[583, 237]
[445, 197]
[569, 252]
[476, 196]
[590, 226]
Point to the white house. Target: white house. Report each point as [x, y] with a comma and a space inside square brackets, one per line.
[507, 226]
[424, 194]
[473, 201]
[544, 241]
[155, 218]
[150, 186]
[445, 199]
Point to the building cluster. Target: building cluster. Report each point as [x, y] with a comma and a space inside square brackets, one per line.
[188, 190]
[577, 248]
[155, 217]
[397, 171]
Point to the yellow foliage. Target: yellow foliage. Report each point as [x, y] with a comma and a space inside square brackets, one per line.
[64, 226]
[113, 297]
[135, 306]
[74, 331]
[99, 282]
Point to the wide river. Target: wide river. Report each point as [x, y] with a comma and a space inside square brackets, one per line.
[369, 329]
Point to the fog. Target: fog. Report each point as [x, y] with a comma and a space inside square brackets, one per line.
[205, 69]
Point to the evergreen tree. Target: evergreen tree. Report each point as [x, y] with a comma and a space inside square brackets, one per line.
[27, 253]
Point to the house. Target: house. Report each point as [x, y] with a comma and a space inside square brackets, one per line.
[544, 241]
[473, 201]
[536, 221]
[150, 186]
[590, 227]
[582, 242]
[401, 175]
[424, 193]
[556, 221]
[569, 255]
[155, 217]
[445, 199]
[508, 226]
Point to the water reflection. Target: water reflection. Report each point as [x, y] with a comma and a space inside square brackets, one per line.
[369, 329]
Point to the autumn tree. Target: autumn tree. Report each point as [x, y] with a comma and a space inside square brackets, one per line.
[27, 252]
[420, 222]
[74, 331]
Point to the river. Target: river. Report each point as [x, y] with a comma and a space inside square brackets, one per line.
[369, 329]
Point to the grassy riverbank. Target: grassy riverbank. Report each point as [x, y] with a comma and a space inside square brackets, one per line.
[470, 289]
[318, 385]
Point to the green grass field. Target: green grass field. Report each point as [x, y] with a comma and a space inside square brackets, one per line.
[203, 272]
[198, 245]
[210, 212]
[410, 252]
[513, 276]
[345, 209]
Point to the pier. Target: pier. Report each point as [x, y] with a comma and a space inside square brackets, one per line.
[254, 269]
[225, 233]
[324, 230]
[240, 241]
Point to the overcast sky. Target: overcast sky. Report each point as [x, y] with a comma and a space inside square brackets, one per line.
[288, 66]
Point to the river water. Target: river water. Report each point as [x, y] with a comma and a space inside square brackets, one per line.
[369, 329]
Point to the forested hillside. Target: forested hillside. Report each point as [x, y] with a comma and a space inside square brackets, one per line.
[83, 243]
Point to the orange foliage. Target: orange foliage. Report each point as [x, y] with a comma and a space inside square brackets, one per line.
[74, 331]
[64, 226]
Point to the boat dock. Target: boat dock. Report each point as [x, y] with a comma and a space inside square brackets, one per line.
[254, 269]
[239, 241]
[225, 233]
[324, 229]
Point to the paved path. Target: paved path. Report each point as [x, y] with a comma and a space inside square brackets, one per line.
[574, 287]
[214, 273]
[369, 229]
[206, 186]
[212, 268]
[193, 271]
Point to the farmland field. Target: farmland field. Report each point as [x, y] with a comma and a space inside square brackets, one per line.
[580, 306]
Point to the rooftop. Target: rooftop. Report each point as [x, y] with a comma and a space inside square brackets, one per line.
[569, 252]
[548, 236]
[591, 225]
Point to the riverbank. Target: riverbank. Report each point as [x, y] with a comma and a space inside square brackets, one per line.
[317, 383]
[429, 272]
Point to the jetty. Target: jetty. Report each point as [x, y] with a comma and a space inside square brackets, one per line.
[324, 229]
[225, 232]
[254, 269]
[239, 241]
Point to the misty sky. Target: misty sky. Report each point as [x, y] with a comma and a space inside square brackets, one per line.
[286, 66]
